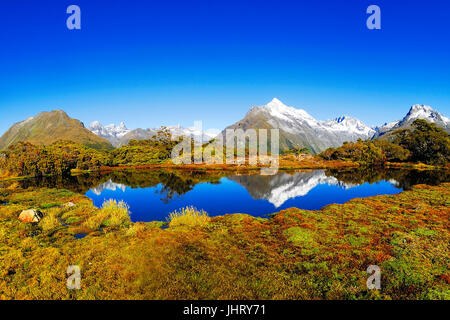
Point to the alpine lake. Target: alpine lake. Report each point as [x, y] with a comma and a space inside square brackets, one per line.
[153, 194]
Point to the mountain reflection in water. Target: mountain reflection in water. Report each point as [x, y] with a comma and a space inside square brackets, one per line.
[279, 188]
[152, 194]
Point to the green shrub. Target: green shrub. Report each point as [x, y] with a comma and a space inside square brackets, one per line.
[360, 151]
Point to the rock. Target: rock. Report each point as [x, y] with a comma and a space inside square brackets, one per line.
[303, 157]
[69, 205]
[31, 216]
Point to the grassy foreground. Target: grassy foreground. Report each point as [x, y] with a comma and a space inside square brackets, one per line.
[296, 254]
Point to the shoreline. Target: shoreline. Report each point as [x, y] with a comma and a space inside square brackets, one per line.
[284, 165]
[317, 165]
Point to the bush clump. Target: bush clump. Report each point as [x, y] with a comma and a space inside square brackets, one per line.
[188, 216]
[50, 221]
[113, 214]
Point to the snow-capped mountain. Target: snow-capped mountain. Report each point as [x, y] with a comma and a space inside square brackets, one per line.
[418, 111]
[300, 129]
[111, 132]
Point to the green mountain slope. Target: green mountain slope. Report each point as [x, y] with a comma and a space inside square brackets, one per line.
[48, 127]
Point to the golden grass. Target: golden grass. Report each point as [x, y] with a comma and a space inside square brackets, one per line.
[50, 221]
[188, 216]
[112, 214]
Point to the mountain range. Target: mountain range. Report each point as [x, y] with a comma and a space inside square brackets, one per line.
[297, 128]
[120, 135]
[112, 133]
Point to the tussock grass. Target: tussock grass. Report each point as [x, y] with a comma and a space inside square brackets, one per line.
[112, 214]
[50, 221]
[188, 216]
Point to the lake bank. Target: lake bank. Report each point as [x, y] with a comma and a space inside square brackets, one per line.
[286, 163]
[296, 254]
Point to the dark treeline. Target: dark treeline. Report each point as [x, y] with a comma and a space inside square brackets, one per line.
[404, 178]
[61, 157]
[173, 182]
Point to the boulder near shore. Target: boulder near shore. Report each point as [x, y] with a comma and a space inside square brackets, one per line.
[31, 216]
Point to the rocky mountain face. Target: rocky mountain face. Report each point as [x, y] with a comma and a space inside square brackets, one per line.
[299, 129]
[418, 111]
[48, 127]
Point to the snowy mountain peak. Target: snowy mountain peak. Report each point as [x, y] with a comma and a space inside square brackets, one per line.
[110, 132]
[279, 110]
[95, 124]
[421, 107]
[350, 125]
[420, 111]
[276, 103]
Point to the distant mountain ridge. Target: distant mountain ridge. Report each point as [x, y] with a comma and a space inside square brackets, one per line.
[120, 135]
[111, 132]
[48, 127]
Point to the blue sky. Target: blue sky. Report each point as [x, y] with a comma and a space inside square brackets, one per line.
[152, 63]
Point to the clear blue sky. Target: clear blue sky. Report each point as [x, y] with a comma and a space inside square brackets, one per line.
[151, 63]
